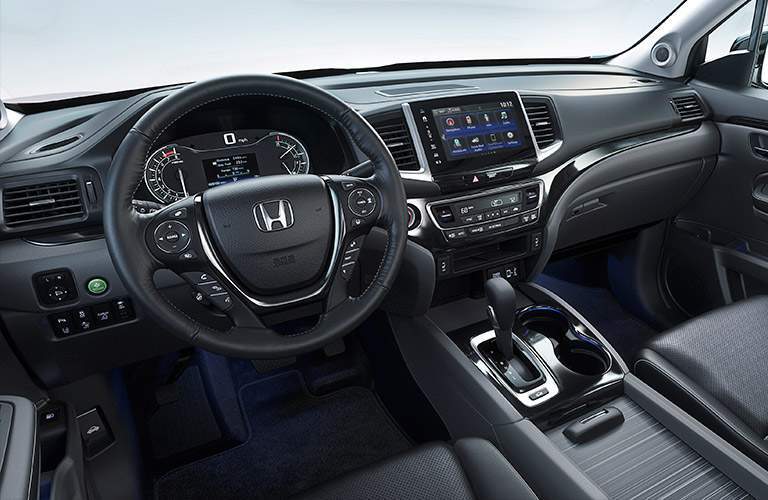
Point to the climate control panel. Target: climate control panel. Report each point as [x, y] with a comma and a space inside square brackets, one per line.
[487, 214]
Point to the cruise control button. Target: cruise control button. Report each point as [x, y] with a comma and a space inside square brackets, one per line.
[221, 300]
[347, 270]
[211, 288]
[350, 256]
[355, 244]
[361, 202]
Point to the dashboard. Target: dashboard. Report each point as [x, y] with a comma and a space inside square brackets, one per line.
[501, 166]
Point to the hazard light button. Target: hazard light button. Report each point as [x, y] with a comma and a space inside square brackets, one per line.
[475, 179]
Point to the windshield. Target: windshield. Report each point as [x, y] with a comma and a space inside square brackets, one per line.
[52, 49]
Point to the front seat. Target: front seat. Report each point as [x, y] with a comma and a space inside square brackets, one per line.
[471, 468]
[715, 368]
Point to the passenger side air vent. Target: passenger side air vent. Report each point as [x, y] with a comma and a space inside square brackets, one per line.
[543, 122]
[34, 204]
[394, 132]
[688, 106]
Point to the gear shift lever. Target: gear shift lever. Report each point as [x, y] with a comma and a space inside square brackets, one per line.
[502, 309]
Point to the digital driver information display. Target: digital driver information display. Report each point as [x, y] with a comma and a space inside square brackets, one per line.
[226, 169]
[476, 129]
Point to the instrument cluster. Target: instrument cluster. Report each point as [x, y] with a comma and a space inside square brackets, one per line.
[193, 164]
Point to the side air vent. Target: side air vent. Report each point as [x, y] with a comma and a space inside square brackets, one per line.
[541, 115]
[688, 106]
[394, 132]
[34, 204]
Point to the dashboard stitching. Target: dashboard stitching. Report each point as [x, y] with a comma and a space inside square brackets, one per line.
[263, 94]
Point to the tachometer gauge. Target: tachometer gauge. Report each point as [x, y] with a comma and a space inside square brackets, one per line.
[164, 175]
[291, 153]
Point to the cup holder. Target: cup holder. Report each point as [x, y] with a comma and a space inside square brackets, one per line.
[576, 352]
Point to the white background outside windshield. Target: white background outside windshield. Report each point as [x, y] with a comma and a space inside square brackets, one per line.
[52, 48]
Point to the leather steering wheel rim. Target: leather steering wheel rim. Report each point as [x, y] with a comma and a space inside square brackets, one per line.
[125, 228]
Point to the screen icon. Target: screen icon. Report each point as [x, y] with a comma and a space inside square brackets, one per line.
[458, 143]
[510, 135]
[469, 121]
[476, 141]
[504, 116]
[450, 122]
[486, 118]
[493, 137]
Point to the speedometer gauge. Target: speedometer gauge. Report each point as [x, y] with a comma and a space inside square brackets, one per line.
[164, 174]
[291, 153]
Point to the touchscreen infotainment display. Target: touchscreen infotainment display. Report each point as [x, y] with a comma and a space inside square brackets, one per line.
[475, 129]
[473, 133]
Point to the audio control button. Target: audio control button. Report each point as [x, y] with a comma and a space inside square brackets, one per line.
[361, 202]
[172, 236]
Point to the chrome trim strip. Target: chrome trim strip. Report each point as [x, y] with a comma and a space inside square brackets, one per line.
[224, 276]
[383, 93]
[491, 371]
[424, 173]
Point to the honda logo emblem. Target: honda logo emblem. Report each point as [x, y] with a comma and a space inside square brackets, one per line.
[273, 215]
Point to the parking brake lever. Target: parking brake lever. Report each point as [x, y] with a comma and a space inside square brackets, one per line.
[502, 308]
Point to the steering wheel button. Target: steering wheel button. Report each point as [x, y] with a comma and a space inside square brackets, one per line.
[221, 300]
[211, 288]
[361, 202]
[172, 237]
[189, 255]
[347, 270]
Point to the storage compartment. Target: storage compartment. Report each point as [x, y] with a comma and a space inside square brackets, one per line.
[605, 206]
[575, 351]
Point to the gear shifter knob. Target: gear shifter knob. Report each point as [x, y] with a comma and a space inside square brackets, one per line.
[502, 308]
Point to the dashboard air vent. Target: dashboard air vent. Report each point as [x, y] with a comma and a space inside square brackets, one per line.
[543, 123]
[40, 203]
[394, 132]
[688, 106]
[58, 144]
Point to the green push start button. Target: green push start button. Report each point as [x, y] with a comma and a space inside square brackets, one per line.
[97, 286]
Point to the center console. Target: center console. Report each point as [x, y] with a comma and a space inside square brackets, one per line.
[480, 150]
[522, 368]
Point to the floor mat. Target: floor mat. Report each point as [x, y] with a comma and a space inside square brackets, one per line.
[296, 441]
[626, 333]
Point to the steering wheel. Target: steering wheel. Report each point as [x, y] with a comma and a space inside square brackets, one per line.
[267, 246]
